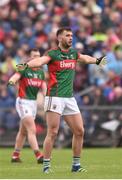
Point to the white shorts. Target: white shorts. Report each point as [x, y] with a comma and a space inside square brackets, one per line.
[63, 106]
[26, 107]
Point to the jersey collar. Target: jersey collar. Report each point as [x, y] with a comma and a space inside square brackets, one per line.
[63, 50]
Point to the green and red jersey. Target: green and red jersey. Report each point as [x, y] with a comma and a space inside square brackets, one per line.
[61, 70]
[30, 83]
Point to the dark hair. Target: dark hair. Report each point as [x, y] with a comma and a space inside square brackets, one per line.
[33, 49]
[61, 30]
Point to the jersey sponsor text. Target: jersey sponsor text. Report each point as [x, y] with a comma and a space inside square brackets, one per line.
[66, 64]
[32, 82]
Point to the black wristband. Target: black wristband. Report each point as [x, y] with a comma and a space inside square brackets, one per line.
[98, 60]
[26, 65]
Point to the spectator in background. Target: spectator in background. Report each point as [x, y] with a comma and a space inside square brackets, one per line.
[8, 117]
[9, 65]
[115, 97]
[115, 60]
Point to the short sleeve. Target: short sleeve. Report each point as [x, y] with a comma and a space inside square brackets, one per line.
[22, 72]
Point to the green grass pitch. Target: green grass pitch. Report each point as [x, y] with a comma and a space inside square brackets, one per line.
[105, 163]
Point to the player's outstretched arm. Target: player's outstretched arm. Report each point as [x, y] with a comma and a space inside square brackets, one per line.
[13, 79]
[37, 62]
[92, 60]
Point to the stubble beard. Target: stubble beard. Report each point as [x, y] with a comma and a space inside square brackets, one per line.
[66, 45]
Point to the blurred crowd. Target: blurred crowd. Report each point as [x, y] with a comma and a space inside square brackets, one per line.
[97, 28]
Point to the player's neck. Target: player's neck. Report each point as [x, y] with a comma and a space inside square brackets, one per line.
[62, 48]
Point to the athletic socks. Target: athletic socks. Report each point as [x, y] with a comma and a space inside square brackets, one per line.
[38, 154]
[76, 167]
[76, 161]
[16, 154]
[46, 165]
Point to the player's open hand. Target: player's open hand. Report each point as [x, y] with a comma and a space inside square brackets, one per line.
[10, 83]
[102, 61]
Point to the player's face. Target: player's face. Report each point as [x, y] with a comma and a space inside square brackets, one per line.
[34, 54]
[66, 39]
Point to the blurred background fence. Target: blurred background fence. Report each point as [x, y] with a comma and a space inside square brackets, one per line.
[103, 128]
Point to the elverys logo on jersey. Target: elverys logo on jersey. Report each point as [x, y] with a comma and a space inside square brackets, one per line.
[62, 65]
[34, 82]
[67, 64]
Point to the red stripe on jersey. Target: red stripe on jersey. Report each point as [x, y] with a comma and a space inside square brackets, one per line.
[52, 82]
[78, 55]
[22, 88]
[61, 65]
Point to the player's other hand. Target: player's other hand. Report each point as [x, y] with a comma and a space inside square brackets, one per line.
[102, 61]
[21, 67]
[10, 83]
